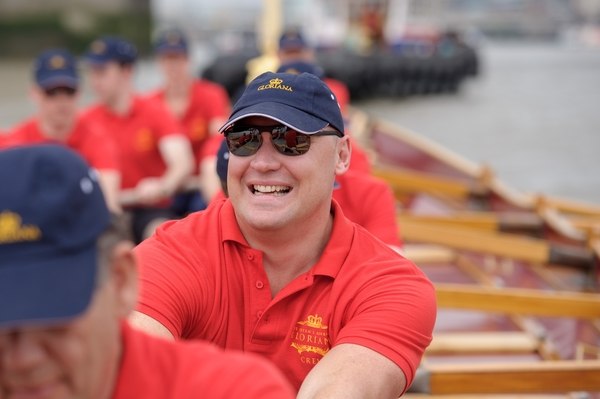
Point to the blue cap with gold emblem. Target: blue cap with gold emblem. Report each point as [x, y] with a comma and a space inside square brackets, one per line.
[300, 101]
[292, 39]
[56, 68]
[172, 41]
[110, 48]
[298, 67]
[52, 212]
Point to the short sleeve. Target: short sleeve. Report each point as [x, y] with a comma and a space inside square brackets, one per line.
[171, 286]
[393, 313]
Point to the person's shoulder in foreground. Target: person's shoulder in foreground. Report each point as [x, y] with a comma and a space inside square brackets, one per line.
[157, 368]
[277, 269]
[69, 280]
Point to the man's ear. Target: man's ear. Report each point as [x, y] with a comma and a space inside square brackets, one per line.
[125, 277]
[344, 153]
[35, 94]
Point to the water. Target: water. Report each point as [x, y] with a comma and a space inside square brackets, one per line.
[533, 115]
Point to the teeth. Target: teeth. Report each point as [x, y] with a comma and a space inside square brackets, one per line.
[270, 189]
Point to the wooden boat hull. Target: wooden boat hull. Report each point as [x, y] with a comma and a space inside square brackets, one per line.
[518, 312]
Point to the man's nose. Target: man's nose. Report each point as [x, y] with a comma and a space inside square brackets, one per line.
[22, 350]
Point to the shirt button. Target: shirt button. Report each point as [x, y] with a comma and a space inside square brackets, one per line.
[259, 284]
[250, 256]
[258, 314]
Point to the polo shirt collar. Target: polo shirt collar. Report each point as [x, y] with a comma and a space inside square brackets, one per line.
[231, 230]
[335, 253]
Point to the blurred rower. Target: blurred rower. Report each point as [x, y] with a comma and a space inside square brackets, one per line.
[55, 93]
[155, 156]
[200, 106]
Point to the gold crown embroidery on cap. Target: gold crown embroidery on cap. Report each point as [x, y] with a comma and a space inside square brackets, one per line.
[57, 62]
[98, 47]
[275, 83]
[12, 229]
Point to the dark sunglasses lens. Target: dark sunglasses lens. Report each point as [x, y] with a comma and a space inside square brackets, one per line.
[290, 142]
[244, 142]
[69, 91]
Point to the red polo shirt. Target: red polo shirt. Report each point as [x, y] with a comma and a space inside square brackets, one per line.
[137, 135]
[201, 279]
[341, 92]
[86, 139]
[369, 202]
[154, 368]
[206, 101]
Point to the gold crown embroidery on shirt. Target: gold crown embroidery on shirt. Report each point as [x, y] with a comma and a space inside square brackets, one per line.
[314, 321]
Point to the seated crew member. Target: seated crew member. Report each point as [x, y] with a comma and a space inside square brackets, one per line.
[55, 93]
[155, 156]
[201, 106]
[277, 269]
[68, 281]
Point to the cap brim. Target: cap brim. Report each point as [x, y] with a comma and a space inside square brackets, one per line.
[48, 291]
[93, 59]
[294, 118]
[59, 81]
[170, 50]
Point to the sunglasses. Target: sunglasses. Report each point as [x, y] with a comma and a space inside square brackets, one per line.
[244, 141]
[60, 90]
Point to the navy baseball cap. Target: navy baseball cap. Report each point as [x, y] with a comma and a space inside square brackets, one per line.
[108, 48]
[222, 161]
[56, 68]
[52, 212]
[298, 67]
[171, 41]
[302, 102]
[292, 40]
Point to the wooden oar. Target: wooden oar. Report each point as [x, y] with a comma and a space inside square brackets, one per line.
[496, 342]
[404, 181]
[500, 244]
[407, 183]
[486, 396]
[519, 301]
[478, 178]
[508, 377]
[487, 221]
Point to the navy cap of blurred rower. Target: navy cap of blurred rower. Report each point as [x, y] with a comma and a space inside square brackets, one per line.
[172, 41]
[223, 164]
[110, 48]
[56, 68]
[298, 67]
[292, 40]
[52, 212]
[302, 102]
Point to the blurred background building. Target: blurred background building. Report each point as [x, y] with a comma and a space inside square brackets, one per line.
[28, 26]
[531, 114]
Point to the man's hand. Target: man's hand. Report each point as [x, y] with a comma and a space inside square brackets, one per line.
[150, 191]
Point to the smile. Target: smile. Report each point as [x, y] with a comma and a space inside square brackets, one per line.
[270, 190]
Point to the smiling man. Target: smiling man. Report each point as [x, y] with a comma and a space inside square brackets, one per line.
[278, 270]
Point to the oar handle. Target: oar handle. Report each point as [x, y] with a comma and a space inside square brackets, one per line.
[581, 258]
